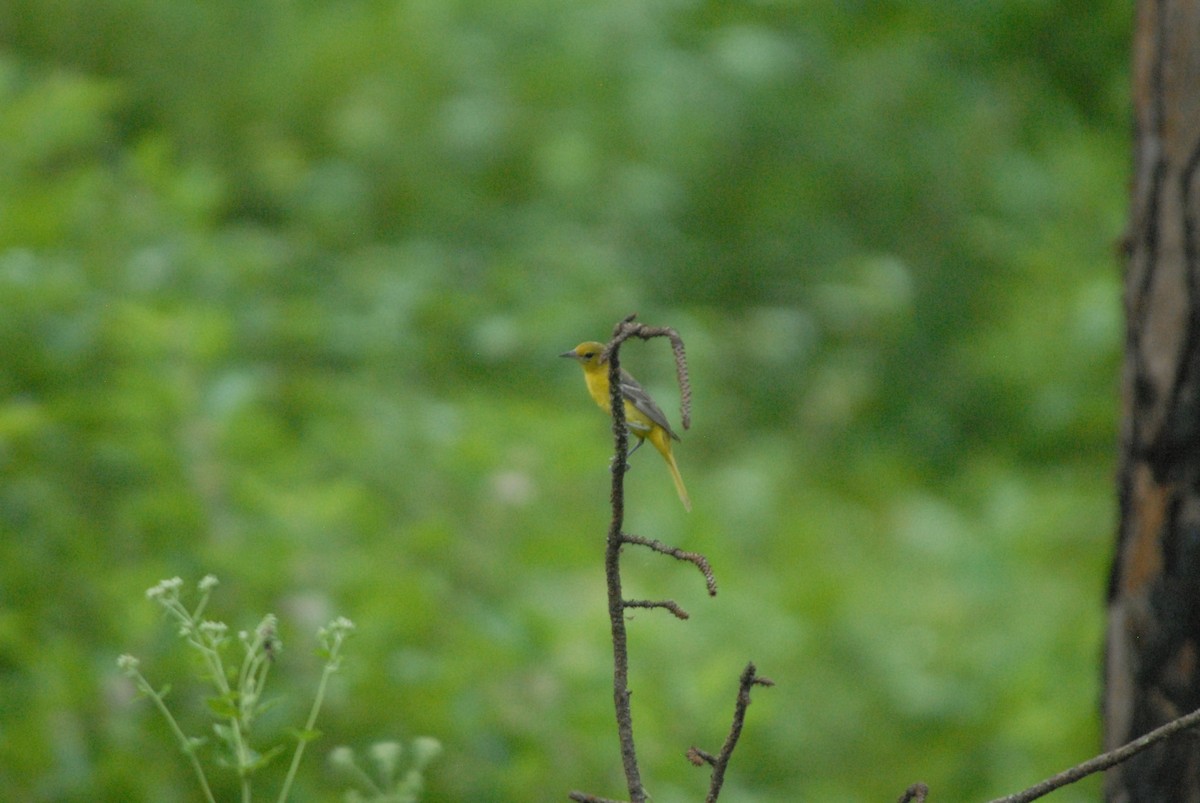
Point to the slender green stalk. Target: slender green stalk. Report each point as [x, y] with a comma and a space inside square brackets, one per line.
[343, 759]
[332, 638]
[129, 664]
[208, 638]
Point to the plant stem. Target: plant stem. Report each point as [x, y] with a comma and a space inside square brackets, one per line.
[331, 666]
[184, 743]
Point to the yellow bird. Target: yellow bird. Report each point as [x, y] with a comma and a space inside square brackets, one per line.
[643, 417]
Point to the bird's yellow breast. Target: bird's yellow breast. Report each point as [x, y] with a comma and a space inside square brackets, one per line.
[596, 377]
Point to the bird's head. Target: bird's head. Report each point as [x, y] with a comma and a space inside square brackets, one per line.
[588, 354]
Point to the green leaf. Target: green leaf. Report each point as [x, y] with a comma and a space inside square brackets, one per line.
[223, 706]
[301, 735]
[258, 761]
[224, 732]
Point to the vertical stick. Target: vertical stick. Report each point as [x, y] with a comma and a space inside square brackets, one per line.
[616, 600]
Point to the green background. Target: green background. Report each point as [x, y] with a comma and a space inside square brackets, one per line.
[282, 286]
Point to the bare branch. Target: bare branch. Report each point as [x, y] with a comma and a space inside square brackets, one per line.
[612, 574]
[748, 680]
[667, 604]
[616, 538]
[617, 604]
[694, 558]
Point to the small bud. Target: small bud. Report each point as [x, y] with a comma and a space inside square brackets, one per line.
[165, 588]
[342, 758]
[386, 756]
[425, 749]
[266, 628]
[213, 631]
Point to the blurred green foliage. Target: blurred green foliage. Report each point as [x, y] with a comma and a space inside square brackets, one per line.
[281, 289]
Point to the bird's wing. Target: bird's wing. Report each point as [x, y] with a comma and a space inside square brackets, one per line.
[636, 394]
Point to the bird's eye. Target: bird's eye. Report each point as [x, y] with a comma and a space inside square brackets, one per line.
[587, 355]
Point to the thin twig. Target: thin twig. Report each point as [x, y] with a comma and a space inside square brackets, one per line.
[1104, 761]
[627, 329]
[720, 762]
[695, 558]
[583, 797]
[667, 604]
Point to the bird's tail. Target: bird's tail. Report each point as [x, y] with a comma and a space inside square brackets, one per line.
[660, 441]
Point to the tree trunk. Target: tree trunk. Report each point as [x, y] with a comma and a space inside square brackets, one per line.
[1152, 666]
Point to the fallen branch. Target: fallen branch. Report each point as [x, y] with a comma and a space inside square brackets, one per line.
[1105, 760]
[1089, 767]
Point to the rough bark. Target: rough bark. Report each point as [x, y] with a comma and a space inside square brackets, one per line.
[1152, 666]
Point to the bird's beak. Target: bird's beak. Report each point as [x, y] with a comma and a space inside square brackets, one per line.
[570, 354]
